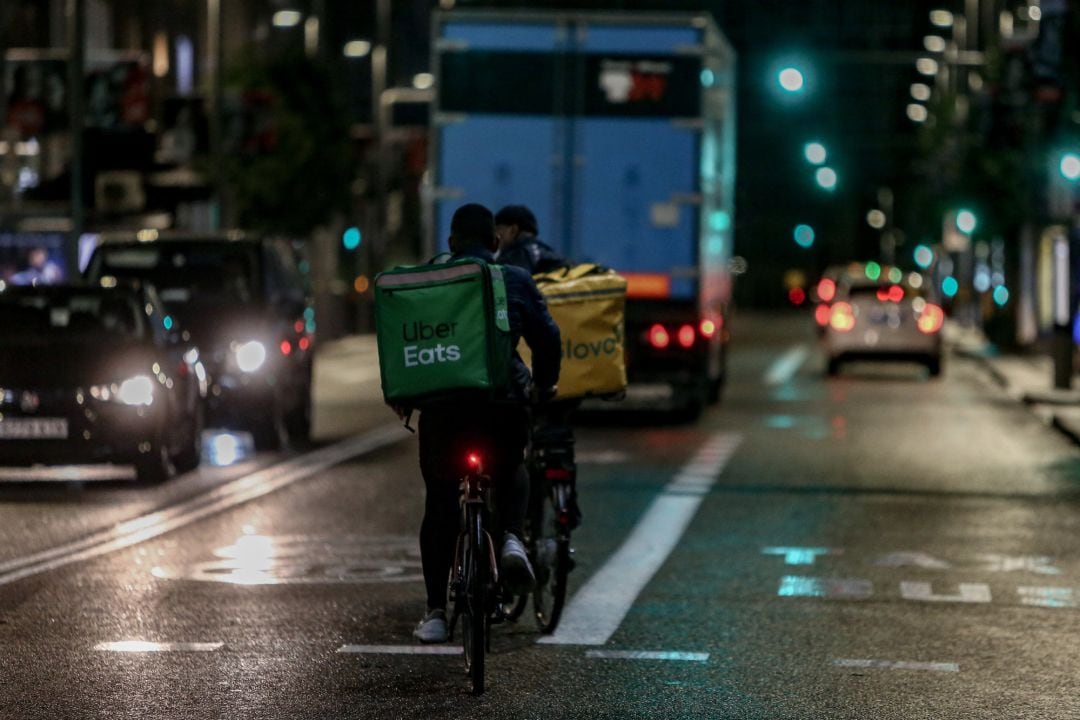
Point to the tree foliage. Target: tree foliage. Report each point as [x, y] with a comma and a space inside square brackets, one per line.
[289, 162]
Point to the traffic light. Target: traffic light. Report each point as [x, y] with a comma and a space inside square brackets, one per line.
[804, 236]
[351, 238]
[791, 79]
[924, 256]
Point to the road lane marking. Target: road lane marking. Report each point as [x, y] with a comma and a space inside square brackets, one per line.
[830, 588]
[785, 366]
[142, 646]
[402, 649]
[598, 608]
[897, 665]
[646, 655]
[224, 497]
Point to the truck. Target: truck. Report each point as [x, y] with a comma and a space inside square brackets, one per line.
[618, 130]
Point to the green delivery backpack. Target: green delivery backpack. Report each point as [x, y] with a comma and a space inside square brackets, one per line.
[443, 332]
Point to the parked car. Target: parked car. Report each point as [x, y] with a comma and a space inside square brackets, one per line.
[245, 303]
[891, 317]
[95, 374]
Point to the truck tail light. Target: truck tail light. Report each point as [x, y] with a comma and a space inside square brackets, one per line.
[687, 336]
[842, 317]
[931, 319]
[658, 337]
[821, 314]
[708, 328]
[826, 289]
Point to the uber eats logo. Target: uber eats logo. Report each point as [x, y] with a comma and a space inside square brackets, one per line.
[416, 355]
[573, 350]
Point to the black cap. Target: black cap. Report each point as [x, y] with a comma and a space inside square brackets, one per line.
[517, 215]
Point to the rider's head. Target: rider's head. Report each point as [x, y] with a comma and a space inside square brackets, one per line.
[514, 221]
[472, 226]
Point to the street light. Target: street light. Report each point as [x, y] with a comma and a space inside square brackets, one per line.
[920, 92]
[286, 18]
[926, 66]
[357, 49]
[934, 43]
[826, 178]
[941, 18]
[791, 80]
[966, 221]
[815, 153]
[1070, 166]
[875, 219]
[917, 113]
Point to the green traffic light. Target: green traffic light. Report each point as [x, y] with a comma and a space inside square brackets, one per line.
[815, 153]
[804, 236]
[351, 238]
[791, 79]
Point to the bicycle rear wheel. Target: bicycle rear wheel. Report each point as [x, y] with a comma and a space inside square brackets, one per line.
[553, 562]
[474, 615]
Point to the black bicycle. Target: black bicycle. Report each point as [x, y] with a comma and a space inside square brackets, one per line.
[474, 575]
[550, 519]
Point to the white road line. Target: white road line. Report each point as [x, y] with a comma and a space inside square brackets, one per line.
[785, 366]
[897, 665]
[224, 497]
[142, 646]
[598, 608]
[646, 655]
[402, 649]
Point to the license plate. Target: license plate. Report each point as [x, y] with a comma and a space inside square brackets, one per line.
[649, 392]
[33, 428]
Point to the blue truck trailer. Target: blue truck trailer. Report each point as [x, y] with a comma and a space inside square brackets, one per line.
[618, 130]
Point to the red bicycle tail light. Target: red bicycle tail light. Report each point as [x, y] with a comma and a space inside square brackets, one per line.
[687, 336]
[708, 328]
[658, 337]
[826, 290]
[286, 347]
[842, 317]
[473, 459]
[557, 474]
[931, 319]
[821, 315]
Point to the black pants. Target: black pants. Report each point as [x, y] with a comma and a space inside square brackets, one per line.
[498, 433]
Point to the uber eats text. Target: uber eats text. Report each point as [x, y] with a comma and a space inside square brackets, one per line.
[417, 331]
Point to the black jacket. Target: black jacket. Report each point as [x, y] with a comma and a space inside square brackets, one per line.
[529, 319]
[532, 255]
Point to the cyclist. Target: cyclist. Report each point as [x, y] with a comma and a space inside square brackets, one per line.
[498, 430]
[517, 230]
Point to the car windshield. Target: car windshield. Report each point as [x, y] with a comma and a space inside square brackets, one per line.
[210, 273]
[69, 316]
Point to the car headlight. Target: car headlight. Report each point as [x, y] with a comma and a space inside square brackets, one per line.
[138, 390]
[250, 356]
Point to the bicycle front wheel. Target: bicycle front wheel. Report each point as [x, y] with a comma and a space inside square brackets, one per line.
[474, 617]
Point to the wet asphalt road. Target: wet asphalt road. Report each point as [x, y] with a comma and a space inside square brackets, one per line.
[879, 545]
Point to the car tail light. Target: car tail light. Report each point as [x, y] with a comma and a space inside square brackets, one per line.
[931, 319]
[842, 317]
[687, 336]
[826, 290]
[708, 328]
[298, 326]
[893, 293]
[797, 296]
[557, 474]
[304, 343]
[286, 347]
[658, 337]
[821, 314]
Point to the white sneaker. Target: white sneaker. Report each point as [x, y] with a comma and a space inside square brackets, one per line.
[517, 573]
[432, 629]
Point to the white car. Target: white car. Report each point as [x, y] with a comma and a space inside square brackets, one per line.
[879, 319]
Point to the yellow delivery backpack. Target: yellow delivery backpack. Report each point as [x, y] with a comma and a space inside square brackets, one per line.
[588, 303]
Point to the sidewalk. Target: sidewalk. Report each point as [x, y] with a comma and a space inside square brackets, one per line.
[1027, 378]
